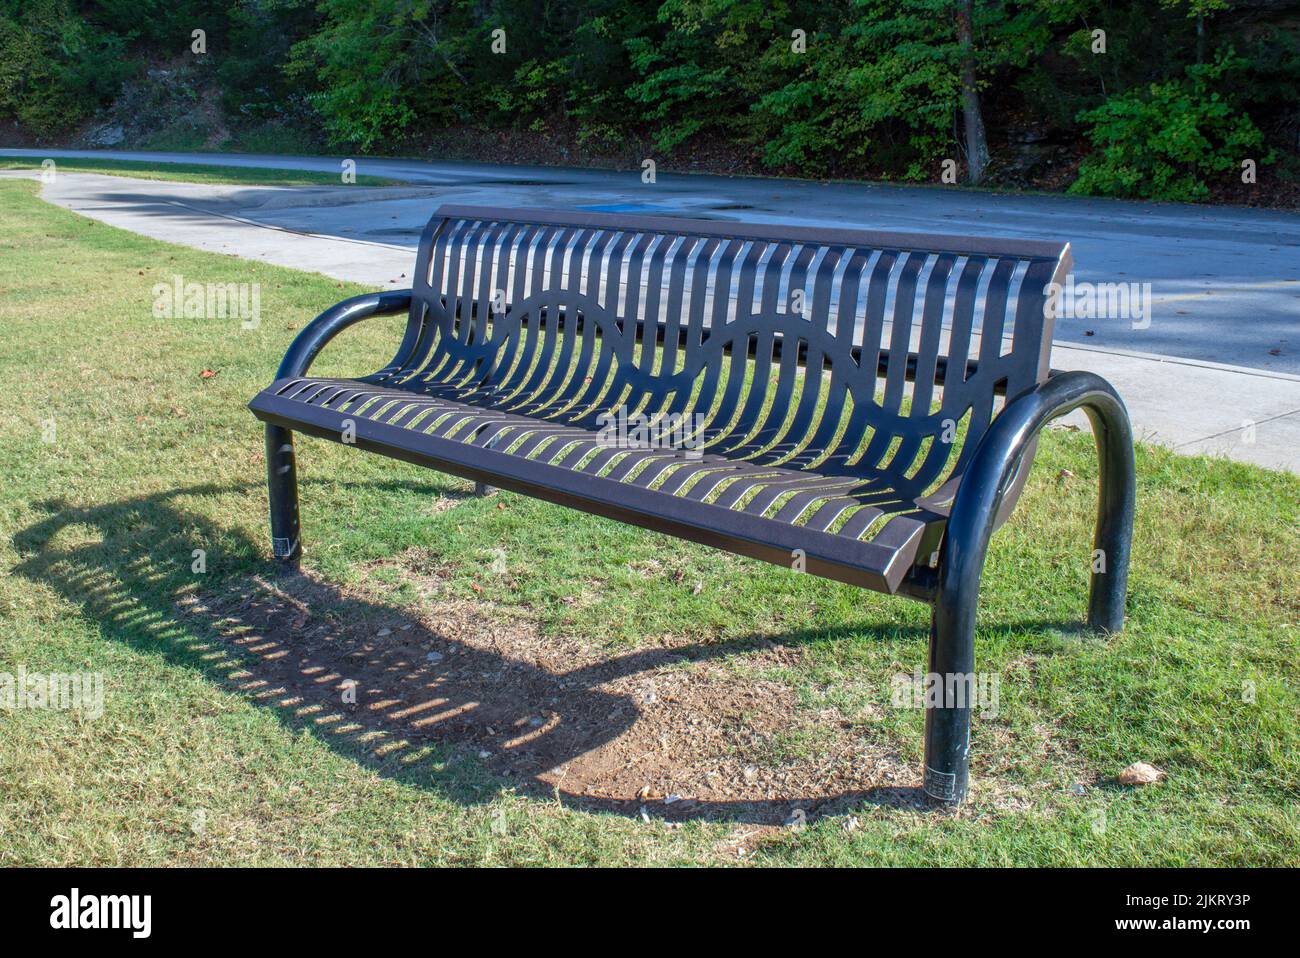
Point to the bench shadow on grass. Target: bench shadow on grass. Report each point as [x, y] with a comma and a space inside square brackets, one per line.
[461, 722]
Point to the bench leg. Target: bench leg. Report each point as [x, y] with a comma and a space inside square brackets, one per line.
[1112, 540]
[483, 489]
[282, 490]
[961, 565]
[947, 714]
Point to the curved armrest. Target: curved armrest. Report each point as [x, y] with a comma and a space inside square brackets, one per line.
[994, 466]
[308, 343]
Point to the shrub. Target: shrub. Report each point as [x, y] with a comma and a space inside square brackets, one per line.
[1166, 142]
[55, 68]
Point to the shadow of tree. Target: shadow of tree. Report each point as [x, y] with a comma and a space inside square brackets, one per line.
[420, 704]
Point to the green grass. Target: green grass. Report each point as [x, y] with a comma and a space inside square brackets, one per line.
[194, 763]
[194, 172]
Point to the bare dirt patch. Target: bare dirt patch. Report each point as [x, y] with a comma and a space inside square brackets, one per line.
[678, 730]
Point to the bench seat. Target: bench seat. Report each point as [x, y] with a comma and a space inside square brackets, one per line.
[848, 528]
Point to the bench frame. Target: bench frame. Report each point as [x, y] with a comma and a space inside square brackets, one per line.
[988, 486]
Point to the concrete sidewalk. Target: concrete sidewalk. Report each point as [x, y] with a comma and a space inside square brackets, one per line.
[1194, 406]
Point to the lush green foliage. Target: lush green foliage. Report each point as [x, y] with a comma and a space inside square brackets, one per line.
[54, 67]
[813, 87]
[1164, 143]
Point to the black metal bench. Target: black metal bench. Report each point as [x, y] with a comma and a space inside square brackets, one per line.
[834, 395]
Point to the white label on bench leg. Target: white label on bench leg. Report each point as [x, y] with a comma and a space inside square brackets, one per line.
[941, 785]
[283, 548]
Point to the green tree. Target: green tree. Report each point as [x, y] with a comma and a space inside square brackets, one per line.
[56, 68]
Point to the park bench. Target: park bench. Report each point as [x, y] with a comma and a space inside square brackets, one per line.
[857, 405]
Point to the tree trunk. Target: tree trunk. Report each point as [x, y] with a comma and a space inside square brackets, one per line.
[977, 147]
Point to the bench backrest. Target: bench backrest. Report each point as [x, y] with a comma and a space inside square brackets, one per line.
[852, 352]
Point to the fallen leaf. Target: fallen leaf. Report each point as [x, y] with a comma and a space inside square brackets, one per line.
[207, 374]
[1140, 773]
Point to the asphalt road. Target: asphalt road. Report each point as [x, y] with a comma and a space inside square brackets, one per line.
[1225, 281]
